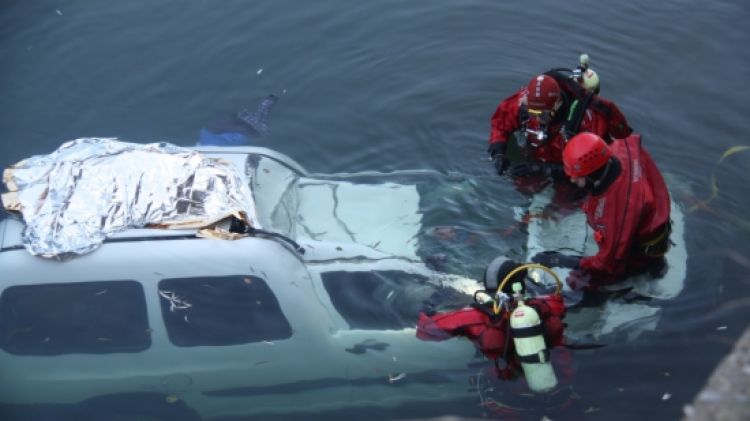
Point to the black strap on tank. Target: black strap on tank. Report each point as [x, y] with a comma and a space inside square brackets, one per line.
[535, 358]
[527, 332]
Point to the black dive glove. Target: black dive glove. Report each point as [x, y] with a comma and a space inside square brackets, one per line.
[497, 153]
[527, 168]
[557, 259]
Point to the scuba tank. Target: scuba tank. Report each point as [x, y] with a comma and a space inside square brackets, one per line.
[586, 76]
[526, 330]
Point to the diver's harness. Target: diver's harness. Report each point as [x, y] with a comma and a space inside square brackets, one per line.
[525, 327]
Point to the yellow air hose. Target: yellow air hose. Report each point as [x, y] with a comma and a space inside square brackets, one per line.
[558, 287]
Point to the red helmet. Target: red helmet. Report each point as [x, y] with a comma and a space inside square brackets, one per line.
[543, 93]
[584, 154]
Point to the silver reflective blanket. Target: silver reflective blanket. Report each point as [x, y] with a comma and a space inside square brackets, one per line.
[90, 188]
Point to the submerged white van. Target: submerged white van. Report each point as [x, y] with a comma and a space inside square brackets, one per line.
[317, 316]
[314, 314]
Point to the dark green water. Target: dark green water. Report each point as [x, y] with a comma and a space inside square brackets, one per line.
[393, 85]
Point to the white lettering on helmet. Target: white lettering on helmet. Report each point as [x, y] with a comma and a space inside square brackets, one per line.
[538, 87]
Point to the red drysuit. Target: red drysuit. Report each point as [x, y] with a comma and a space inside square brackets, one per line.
[601, 117]
[628, 215]
[489, 332]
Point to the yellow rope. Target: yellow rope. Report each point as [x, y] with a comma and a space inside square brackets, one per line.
[714, 185]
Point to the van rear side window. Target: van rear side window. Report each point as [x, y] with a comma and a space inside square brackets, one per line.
[74, 318]
[225, 310]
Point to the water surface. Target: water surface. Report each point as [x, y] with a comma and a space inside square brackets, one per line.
[394, 85]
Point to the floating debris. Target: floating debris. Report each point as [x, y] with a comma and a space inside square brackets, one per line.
[171, 399]
[104, 291]
[721, 328]
[259, 71]
[58, 12]
[666, 396]
[175, 302]
[397, 377]
[269, 343]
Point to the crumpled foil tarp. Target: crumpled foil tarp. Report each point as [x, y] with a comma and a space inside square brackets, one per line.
[90, 188]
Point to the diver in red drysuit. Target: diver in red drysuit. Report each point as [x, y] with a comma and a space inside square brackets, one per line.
[551, 109]
[490, 332]
[628, 208]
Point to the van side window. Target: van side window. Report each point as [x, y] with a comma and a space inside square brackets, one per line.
[74, 318]
[222, 310]
[378, 300]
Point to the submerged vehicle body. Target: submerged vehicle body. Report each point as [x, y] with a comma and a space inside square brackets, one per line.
[247, 327]
[255, 326]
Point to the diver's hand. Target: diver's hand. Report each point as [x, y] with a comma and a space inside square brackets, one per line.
[556, 259]
[497, 153]
[579, 280]
[555, 171]
[428, 308]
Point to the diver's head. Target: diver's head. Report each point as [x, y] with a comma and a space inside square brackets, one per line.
[497, 270]
[585, 157]
[544, 94]
[543, 100]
